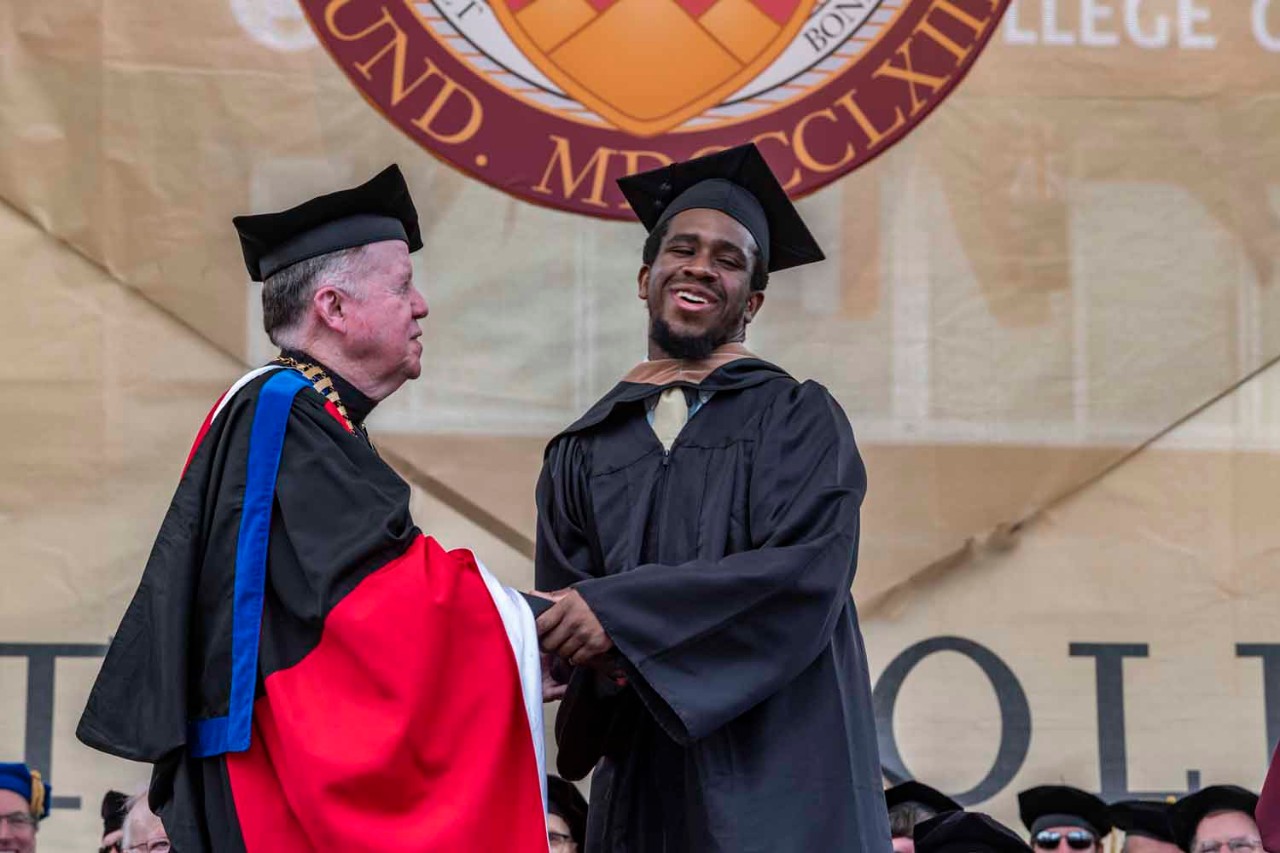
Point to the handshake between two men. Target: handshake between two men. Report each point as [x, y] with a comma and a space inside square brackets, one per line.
[570, 635]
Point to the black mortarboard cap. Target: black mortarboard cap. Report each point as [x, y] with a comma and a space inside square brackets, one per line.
[736, 182]
[920, 794]
[1143, 817]
[377, 210]
[966, 832]
[113, 803]
[1185, 815]
[564, 799]
[1062, 805]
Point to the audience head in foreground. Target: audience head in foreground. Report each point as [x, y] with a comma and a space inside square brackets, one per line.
[911, 803]
[1214, 818]
[1145, 825]
[1064, 819]
[566, 816]
[24, 802]
[143, 831]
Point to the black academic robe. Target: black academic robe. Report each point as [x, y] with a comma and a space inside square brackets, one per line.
[722, 572]
[303, 667]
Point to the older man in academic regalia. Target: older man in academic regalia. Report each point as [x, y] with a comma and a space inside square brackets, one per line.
[304, 668]
[699, 528]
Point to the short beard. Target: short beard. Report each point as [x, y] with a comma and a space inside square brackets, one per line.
[690, 347]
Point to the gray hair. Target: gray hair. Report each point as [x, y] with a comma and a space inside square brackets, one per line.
[285, 294]
[904, 817]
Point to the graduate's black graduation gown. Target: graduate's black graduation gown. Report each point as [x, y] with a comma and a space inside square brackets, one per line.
[722, 572]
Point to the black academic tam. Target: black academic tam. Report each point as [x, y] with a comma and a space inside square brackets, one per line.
[918, 793]
[379, 209]
[1062, 805]
[966, 832]
[1144, 818]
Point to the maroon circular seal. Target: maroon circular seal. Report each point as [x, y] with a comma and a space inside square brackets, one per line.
[553, 100]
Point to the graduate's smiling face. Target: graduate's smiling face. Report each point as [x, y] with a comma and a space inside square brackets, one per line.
[698, 287]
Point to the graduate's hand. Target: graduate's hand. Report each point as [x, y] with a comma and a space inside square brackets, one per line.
[570, 630]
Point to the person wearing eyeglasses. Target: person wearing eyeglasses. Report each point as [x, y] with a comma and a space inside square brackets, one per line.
[1217, 819]
[1064, 819]
[911, 803]
[1145, 825]
[24, 802]
[143, 831]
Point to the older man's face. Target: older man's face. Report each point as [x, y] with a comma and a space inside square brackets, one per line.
[17, 827]
[1227, 832]
[382, 324]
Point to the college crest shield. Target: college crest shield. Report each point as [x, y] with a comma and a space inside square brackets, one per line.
[553, 101]
[646, 66]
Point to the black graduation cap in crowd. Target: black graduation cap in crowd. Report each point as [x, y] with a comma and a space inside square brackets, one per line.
[564, 799]
[377, 210]
[1062, 805]
[1143, 818]
[736, 182]
[113, 803]
[966, 832]
[920, 794]
[1185, 815]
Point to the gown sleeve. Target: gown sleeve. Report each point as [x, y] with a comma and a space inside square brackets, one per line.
[565, 552]
[595, 709]
[706, 641]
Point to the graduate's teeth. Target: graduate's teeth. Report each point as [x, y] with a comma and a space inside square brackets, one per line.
[689, 297]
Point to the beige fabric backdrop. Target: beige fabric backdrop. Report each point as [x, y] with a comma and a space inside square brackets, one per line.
[1074, 253]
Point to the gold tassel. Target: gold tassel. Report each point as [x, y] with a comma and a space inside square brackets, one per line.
[37, 794]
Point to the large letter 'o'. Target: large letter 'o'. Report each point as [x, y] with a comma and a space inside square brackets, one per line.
[1015, 713]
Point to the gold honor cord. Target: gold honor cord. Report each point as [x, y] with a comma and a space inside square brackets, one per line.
[324, 384]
